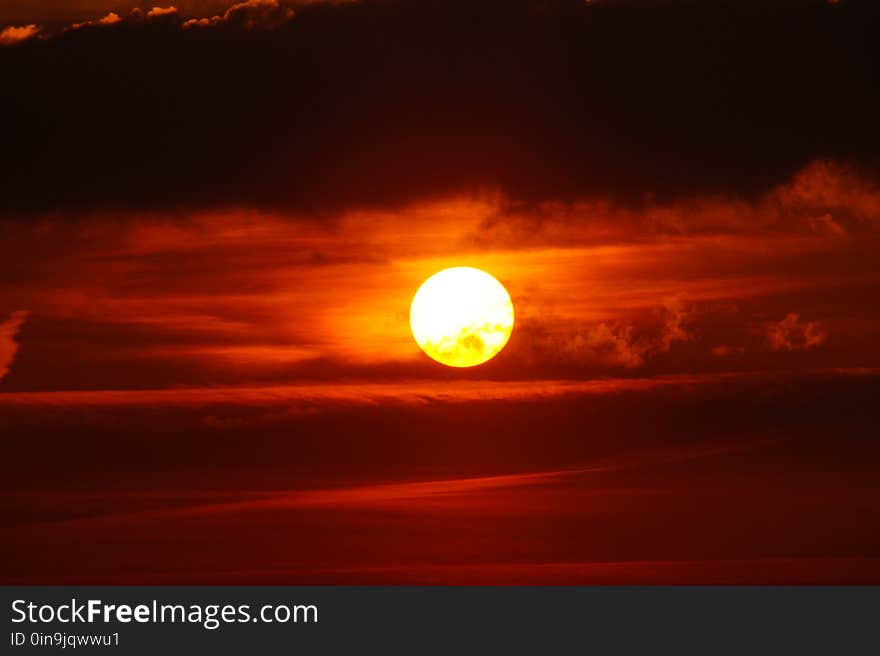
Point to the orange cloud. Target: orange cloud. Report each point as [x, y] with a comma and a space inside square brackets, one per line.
[162, 11]
[825, 199]
[110, 19]
[12, 35]
[830, 198]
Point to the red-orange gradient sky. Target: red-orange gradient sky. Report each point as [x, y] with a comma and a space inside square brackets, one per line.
[206, 368]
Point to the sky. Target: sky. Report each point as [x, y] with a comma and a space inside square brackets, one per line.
[215, 217]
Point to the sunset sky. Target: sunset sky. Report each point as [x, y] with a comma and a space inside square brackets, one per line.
[214, 219]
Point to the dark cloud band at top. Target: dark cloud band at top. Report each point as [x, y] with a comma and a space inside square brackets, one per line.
[385, 103]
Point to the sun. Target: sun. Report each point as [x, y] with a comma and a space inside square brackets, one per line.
[461, 317]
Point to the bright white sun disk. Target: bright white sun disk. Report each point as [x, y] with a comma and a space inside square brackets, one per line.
[461, 316]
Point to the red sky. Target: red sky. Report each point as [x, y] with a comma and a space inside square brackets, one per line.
[206, 369]
[686, 406]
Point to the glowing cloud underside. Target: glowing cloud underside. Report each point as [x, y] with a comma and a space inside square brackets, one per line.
[461, 317]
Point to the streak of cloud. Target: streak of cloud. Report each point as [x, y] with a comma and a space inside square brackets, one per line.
[443, 492]
[403, 392]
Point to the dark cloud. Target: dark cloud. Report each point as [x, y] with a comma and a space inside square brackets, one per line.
[383, 103]
[625, 344]
[249, 15]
